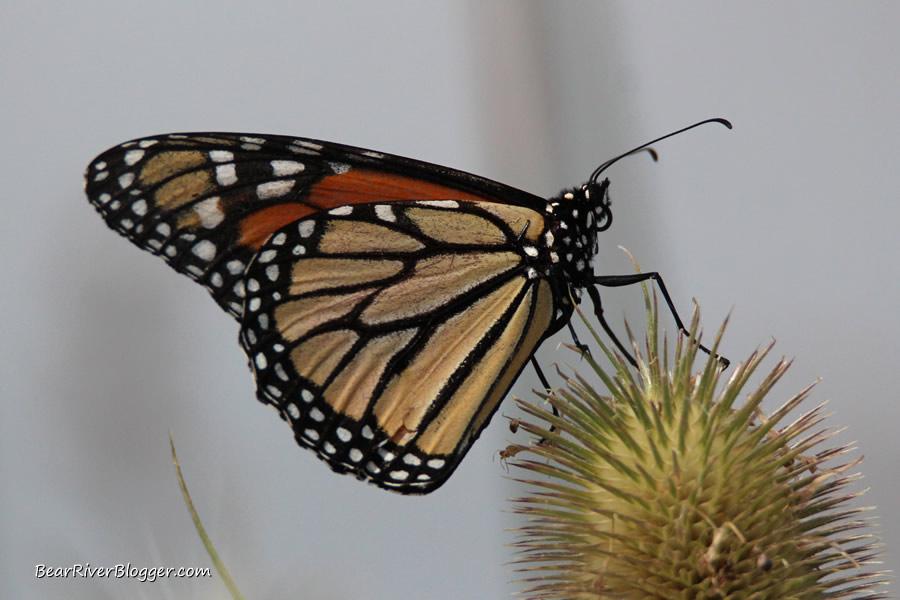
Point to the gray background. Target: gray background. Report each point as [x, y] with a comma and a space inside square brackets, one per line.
[790, 220]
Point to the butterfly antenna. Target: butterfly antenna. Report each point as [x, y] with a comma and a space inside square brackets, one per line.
[644, 147]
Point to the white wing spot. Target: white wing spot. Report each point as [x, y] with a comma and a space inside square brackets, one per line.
[251, 335]
[436, 463]
[311, 434]
[126, 223]
[254, 304]
[569, 196]
[216, 280]
[101, 175]
[355, 455]
[226, 175]
[100, 165]
[115, 205]
[532, 274]
[274, 392]
[372, 154]
[267, 255]
[412, 459]
[210, 212]
[531, 251]
[221, 156]
[385, 213]
[274, 189]
[548, 238]
[261, 362]
[285, 168]
[279, 239]
[341, 211]
[386, 456]
[205, 250]
[104, 198]
[439, 203]
[164, 229]
[253, 285]
[316, 415]
[235, 267]
[272, 272]
[339, 168]
[329, 448]
[344, 434]
[252, 140]
[132, 157]
[298, 250]
[139, 207]
[305, 228]
[307, 396]
[372, 468]
[147, 143]
[399, 475]
[171, 251]
[367, 432]
[279, 371]
[125, 180]
[294, 411]
[239, 289]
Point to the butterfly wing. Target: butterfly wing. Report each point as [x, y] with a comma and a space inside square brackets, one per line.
[206, 202]
[386, 334]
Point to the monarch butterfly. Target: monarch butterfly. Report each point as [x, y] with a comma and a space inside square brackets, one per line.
[386, 305]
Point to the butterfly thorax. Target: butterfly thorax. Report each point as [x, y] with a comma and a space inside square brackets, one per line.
[577, 215]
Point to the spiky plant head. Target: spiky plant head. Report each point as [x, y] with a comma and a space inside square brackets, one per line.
[674, 487]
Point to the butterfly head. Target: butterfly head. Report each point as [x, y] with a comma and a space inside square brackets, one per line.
[578, 215]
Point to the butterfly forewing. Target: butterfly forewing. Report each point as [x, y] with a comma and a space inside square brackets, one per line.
[386, 334]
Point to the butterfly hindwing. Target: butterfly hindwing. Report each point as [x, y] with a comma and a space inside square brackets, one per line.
[386, 334]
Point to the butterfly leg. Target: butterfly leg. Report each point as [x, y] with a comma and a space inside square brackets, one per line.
[620, 280]
[546, 384]
[598, 312]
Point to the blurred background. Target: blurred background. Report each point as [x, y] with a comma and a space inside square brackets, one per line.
[789, 221]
